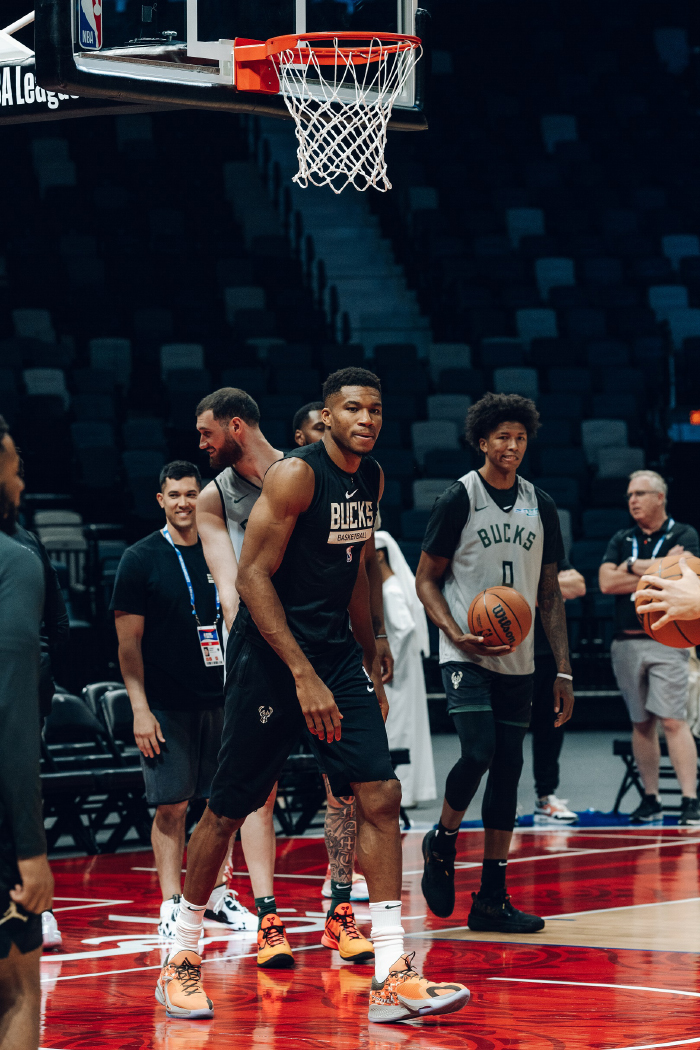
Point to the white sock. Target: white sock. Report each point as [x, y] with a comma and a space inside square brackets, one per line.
[188, 928]
[387, 936]
[217, 896]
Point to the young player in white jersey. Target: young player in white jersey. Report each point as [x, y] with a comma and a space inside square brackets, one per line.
[491, 528]
[228, 424]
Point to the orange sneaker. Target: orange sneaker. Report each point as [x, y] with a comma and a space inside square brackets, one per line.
[274, 951]
[179, 987]
[405, 994]
[341, 933]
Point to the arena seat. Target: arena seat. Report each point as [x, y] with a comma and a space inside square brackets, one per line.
[554, 273]
[433, 434]
[453, 407]
[427, 490]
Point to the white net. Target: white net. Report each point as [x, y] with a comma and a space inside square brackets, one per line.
[341, 111]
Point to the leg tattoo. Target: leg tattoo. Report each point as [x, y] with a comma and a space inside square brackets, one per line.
[341, 834]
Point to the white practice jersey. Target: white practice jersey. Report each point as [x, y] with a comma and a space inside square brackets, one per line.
[496, 548]
[238, 497]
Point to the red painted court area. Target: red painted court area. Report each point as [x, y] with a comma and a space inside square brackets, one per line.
[617, 965]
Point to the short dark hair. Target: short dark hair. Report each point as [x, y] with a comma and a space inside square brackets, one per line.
[349, 377]
[487, 414]
[229, 402]
[178, 469]
[302, 414]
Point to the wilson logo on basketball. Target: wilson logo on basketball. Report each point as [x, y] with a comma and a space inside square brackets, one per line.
[504, 623]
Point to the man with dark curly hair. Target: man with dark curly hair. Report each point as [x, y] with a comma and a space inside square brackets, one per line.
[491, 528]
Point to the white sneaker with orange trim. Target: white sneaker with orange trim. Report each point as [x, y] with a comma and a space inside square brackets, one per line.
[359, 891]
[179, 988]
[405, 994]
[552, 810]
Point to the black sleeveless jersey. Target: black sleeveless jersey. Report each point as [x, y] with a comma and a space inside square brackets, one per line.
[317, 574]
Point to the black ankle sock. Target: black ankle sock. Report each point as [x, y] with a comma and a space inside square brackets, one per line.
[265, 906]
[340, 894]
[445, 839]
[493, 878]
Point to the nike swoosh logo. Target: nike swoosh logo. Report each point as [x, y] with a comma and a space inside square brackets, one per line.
[349, 494]
[390, 907]
[482, 508]
[239, 499]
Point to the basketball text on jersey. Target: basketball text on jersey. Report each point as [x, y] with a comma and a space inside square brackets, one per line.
[351, 522]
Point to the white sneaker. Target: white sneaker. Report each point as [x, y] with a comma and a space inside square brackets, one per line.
[553, 810]
[169, 911]
[359, 891]
[50, 933]
[232, 913]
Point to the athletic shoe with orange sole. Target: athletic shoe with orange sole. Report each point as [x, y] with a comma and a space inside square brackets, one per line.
[179, 987]
[342, 935]
[405, 994]
[274, 951]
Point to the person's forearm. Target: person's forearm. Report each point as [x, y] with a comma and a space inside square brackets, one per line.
[551, 606]
[131, 665]
[262, 601]
[437, 608]
[616, 580]
[376, 599]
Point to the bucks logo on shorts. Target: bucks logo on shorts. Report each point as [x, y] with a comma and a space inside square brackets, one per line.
[264, 713]
[456, 679]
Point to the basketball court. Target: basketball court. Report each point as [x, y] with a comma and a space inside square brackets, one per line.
[617, 966]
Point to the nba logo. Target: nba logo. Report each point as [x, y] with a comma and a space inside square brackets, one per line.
[90, 24]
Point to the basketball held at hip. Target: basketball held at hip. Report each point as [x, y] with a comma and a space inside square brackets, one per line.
[501, 616]
[679, 634]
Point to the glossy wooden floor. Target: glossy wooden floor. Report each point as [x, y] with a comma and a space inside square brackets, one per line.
[616, 968]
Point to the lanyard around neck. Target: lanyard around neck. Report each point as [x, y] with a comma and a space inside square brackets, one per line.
[186, 574]
[657, 547]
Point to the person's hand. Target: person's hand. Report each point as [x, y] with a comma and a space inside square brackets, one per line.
[678, 549]
[563, 701]
[385, 658]
[375, 673]
[35, 889]
[676, 599]
[474, 645]
[318, 707]
[148, 733]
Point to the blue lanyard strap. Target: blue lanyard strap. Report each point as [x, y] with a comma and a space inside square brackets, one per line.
[657, 547]
[186, 574]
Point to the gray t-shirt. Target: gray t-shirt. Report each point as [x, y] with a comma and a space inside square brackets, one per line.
[238, 496]
[21, 612]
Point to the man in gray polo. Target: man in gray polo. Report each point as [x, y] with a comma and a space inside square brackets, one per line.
[653, 678]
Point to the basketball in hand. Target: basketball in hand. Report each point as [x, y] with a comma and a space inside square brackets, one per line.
[501, 616]
[679, 634]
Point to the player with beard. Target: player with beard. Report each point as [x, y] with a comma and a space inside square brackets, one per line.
[26, 884]
[228, 424]
[295, 663]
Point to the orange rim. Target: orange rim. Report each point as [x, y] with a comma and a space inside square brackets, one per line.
[391, 43]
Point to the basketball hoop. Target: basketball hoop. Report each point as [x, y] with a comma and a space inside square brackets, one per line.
[340, 97]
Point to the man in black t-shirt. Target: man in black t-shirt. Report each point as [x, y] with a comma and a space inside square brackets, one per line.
[163, 596]
[653, 678]
[491, 528]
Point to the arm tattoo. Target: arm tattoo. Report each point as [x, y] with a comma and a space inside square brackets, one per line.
[341, 832]
[551, 605]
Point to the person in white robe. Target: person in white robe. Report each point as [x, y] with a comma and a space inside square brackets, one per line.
[407, 628]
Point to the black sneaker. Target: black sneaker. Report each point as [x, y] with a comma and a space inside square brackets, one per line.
[497, 915]
[438, 882]
[648, 811]
[690, 811]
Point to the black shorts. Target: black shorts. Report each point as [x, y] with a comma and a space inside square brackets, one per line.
[185, 767]
[469, 687]
[263, 723]
[17, 926]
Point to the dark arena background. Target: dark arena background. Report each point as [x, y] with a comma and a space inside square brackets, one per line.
[542, 237]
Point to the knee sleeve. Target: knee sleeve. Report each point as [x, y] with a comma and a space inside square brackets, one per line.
[501, 795]
[477, 737]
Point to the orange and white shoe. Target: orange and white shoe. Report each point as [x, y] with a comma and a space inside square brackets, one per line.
[342, 935]
[405, 994]
[274, 951]
[179, 987]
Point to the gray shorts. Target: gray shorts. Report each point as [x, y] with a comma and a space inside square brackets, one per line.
[186, 765]
[653, 678]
